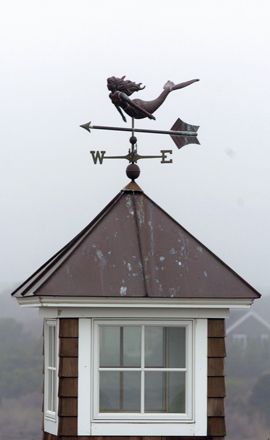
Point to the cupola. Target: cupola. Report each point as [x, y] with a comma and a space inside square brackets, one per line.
[133, 311]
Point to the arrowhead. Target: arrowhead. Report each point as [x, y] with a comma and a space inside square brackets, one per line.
[87, 126]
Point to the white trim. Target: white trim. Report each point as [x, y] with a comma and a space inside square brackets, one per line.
[145, 429]
[84, 375]
[51, 417]
[200, 375]
[141, 302]
[130, 312]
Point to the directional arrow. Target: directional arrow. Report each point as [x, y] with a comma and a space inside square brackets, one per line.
[181, 132]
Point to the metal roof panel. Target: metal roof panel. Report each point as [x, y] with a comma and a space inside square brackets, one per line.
[133, 248]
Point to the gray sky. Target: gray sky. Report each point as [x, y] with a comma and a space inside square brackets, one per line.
[55, 58]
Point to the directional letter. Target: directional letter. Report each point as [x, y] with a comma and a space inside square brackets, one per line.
[98, 156]
[164, 156]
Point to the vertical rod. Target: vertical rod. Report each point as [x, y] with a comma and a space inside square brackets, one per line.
[121, 372]
[143, 369]
[133, 124]
[165, 345]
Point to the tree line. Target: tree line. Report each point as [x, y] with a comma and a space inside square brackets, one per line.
[21, 360]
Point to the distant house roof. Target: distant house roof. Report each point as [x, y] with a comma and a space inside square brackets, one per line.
[245, 317]
[135, 249]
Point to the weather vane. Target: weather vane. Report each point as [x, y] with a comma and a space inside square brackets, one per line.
[120, 90]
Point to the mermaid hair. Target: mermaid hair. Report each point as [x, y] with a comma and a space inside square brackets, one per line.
[126, 86]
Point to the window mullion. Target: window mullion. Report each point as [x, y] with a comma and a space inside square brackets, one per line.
[121, 365]
[165, 364]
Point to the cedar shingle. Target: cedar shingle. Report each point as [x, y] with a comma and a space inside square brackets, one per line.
[68, 367]
[68, 347]
[215, 366]
[68, 387]
[216, 347]
[216, 387]
[216, 328]
[68, 426]
[215, 407]
[216, 426]
[68, 406]
[68, 328]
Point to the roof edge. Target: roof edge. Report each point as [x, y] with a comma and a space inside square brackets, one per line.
[142, 302]
[38, 275]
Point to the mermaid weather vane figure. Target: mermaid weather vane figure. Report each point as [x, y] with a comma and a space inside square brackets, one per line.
[121, 89]
[120, 92]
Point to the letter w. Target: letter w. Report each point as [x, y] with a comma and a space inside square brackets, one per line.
[98, 156]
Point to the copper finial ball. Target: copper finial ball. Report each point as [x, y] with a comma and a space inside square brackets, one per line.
[133, 171]
[133, 140]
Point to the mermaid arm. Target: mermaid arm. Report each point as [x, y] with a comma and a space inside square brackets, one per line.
[121, 113]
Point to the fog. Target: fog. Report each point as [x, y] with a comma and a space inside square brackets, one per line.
[56, 57]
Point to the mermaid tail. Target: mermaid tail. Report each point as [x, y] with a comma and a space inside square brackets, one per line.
[172, 86]
[152, 106]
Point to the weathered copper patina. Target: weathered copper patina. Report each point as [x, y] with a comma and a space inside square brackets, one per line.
[135, 249]
[121, 89]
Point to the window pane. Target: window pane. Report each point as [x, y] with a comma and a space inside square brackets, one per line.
[154, 347]
[51, 390]
[109, 395]
[175, 383]
[175, 347]
[109, 346]
[154, 391]
[132, 346]
[165, 347]
[131, 391]
[51, 361]
[164, 392]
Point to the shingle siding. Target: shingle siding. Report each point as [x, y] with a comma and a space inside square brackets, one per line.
[68, 385]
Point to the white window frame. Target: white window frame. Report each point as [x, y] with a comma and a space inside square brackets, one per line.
[50, 391]
[124, 417]
[194, 422]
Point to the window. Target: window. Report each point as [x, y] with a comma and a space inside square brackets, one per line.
[50, 372]
[264, 338]
[241, 340]
[143, 370]
[142, 377]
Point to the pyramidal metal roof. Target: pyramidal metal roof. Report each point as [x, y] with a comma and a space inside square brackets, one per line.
[133, 248]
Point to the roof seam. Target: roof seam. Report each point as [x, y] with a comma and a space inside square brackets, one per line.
[139, 241]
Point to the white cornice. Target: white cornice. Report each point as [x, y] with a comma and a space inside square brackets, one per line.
[86, 302]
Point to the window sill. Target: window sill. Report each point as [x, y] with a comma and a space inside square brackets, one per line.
[147, 429]
[50, 424]
[142, 418]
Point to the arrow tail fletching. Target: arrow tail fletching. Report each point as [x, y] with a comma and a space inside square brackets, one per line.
[181, 141]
